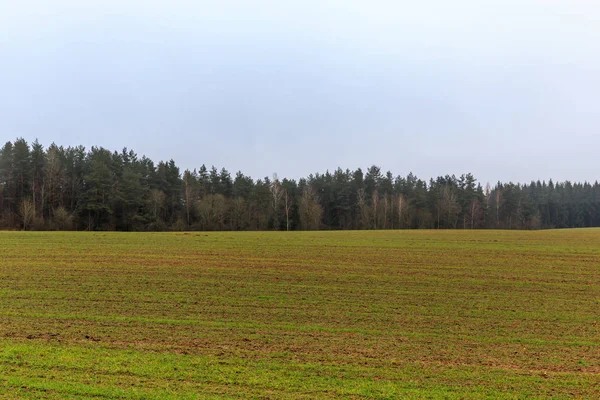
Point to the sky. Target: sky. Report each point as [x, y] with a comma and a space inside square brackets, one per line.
[507, 90]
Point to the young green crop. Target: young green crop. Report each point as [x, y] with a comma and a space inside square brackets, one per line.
[300, 315]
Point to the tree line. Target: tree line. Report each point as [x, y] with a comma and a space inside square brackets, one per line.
[71, 188]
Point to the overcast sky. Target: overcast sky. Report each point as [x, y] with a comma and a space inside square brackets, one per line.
[507, 89]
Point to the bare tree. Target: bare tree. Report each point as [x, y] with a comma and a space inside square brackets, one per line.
[401, 202]
[238, 214]
[52, 178]
[488, 196]
[498, 200]
[288, 207]
[310, 209]
[448, 206]
[188, 194]
[276, 195]
[220, 210]
[204, 212]
[363, 208]
[475, 211]
[386, 206]
[62, 219]
[27, 213]
[157, 199]
[212, 210]
[375, 202]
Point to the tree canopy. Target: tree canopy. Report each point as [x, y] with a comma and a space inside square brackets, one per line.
[58, 188]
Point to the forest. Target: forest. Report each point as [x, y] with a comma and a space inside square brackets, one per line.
[71, 188]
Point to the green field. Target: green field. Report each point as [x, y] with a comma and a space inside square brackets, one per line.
[302, 315]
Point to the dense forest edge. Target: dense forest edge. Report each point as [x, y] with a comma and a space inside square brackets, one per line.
[58, 188]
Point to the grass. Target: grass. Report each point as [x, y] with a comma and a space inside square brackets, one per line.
[404, 314]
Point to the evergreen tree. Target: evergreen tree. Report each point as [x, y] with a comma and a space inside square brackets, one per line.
[71, 188]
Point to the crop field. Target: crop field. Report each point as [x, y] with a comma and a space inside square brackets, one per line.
[300, 315]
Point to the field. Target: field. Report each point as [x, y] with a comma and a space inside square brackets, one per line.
[303, 315]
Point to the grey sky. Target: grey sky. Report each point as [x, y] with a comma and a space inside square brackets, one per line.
[507, 90]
